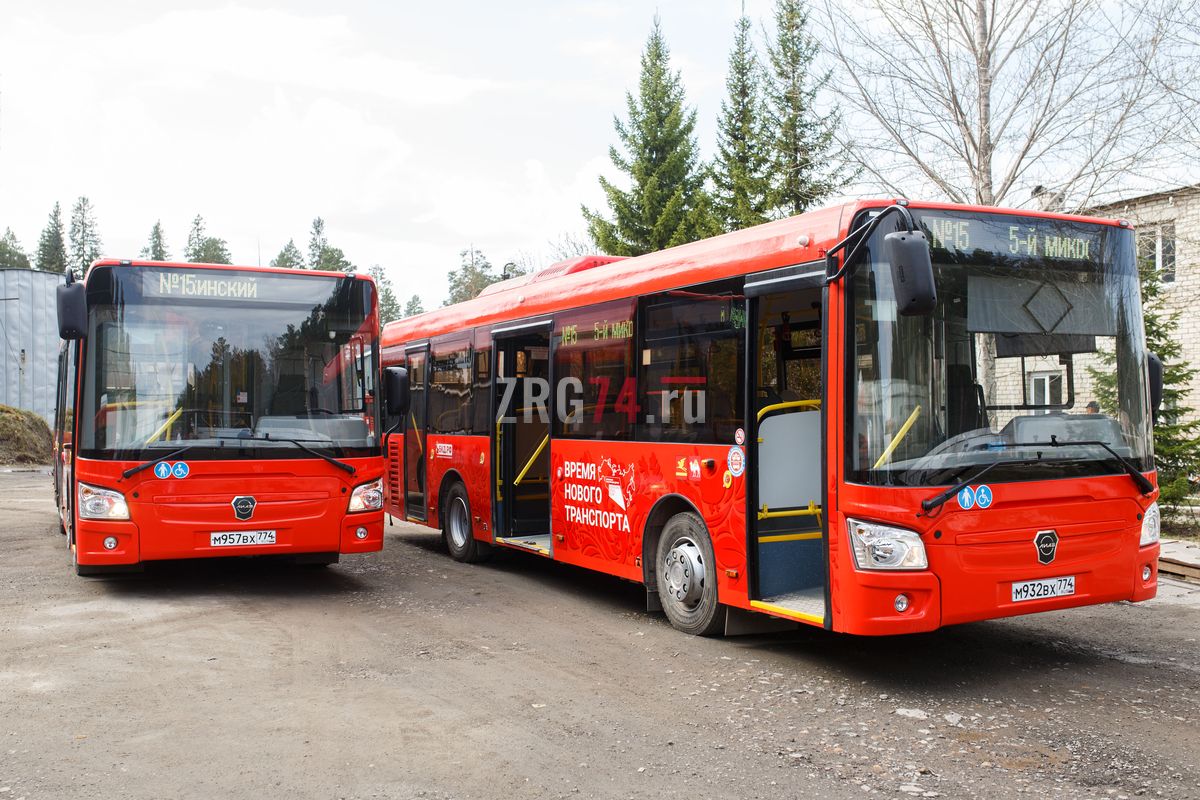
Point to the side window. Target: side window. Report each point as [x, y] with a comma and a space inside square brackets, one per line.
[481, 383]
[596, 387]
[692, 364]
[68, 405]
[450, 387]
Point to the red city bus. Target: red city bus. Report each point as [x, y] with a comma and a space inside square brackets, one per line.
[210, 410]
[873, 418]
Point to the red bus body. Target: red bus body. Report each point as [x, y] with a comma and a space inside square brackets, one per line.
[300, 499]
[974, 555]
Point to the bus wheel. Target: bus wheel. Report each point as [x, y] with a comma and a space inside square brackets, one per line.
[456, 528]
[686, 572]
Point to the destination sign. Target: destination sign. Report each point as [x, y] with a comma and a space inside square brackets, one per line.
[207, 284]
[235, 286]
[1012, 237]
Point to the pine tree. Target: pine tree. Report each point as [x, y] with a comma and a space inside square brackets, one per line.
[322, 255]
[84, 236]
[475, 275]
[665, 204]
[740, 175]
[289, 257]
[12, 255]
[414, 306]
[156, 247]
[204, 249]
[389, 306]
[52, 249]
[801, 139]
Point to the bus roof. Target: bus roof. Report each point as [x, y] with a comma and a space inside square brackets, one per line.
[138, 262]
[596, 279]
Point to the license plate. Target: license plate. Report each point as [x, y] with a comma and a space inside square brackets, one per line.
[240, 538]
[1040, 590]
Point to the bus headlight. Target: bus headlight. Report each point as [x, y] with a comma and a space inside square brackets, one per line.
[368, 497]
[879, 547]
[1151, 526]
[97, 503]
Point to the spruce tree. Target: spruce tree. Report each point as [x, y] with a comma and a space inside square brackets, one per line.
[414, 306]
[473, 276]
[801, 139]
[52, 247]
[665, 204]
[289, 257]
[1176, 438]
[12, 255]
[204, 249]
[156, 247]
[740, 171]
[322, 255]
[84, 236]
[195, 241]
[389, 306]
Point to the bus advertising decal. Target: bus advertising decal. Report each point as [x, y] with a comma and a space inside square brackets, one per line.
[597, 495]
[736, 460]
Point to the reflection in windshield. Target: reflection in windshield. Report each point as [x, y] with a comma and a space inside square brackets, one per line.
[293, 359]
[1037, 334]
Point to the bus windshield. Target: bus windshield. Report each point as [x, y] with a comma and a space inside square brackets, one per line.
[1037, 334]
[224, 361]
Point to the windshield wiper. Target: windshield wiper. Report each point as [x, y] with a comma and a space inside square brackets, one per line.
[129, 473]
[1141, 480]
[266, 437]
[930, 503]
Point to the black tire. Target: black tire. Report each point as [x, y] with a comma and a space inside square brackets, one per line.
[685, 553]
[457, 529]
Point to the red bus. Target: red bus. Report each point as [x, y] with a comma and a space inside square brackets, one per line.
[209, 410]
[877, 418]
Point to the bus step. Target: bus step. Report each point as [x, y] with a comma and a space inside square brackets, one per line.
[535, 544]
[807, 605]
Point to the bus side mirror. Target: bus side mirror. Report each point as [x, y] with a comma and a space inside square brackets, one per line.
[1154, 367]
[395, 381]
[912, 272]
[72, 311]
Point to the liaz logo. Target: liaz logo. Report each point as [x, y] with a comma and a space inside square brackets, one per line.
[243, 507]
[1046, 543]
[444, 450]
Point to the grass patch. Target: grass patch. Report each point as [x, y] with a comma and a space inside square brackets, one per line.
[24, 437]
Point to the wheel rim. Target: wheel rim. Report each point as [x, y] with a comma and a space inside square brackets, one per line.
[685, 573]
[459, 525]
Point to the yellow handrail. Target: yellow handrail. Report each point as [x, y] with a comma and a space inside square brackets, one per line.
[416, 432]
[813, 510]
[166, 426]
[532, 459]
[789, 404]
[900, 434]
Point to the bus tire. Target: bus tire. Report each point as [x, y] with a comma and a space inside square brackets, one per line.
[686, 571]
[456, 528]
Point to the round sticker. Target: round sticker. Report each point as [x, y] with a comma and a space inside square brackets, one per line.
[181, 469]
[983, 496]
[966, 498]
[736, 461]
[739, 437]
[162, 470]
[727, 480]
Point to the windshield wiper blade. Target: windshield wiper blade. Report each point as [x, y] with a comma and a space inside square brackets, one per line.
[129, 473]
[342, 465]
[1141, 480]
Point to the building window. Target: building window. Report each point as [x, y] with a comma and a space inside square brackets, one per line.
[1156, 246]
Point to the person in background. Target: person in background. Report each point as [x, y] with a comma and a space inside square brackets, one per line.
[1093, 407]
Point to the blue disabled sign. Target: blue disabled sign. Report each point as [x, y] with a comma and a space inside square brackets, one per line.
[162, 470]
[180, 470]
[966, 498]
[983, 496]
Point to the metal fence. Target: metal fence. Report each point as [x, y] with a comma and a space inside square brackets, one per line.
[29, 340]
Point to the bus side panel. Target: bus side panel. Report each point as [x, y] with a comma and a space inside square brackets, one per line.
[603, 493]
[393, 484]
[470, 457]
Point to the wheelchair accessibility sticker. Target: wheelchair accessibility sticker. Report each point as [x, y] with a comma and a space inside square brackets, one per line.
[165, 469]
[980, 498]
[181, 469]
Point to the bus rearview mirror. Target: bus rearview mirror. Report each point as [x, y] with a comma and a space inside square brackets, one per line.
[1154, 367]
[72, 311]
[395, 381]
[912, 272]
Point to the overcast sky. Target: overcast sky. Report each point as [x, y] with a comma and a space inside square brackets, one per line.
[414, 129]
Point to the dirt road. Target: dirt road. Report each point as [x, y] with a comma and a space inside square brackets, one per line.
[405, 674]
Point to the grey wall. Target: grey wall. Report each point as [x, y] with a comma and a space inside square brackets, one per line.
[29, 340]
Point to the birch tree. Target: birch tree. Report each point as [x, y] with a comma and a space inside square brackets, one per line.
[986, 101]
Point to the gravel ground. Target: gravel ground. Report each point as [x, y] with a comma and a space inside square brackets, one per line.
[404, 674]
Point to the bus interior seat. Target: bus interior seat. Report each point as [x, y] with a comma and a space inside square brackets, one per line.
[290, 396]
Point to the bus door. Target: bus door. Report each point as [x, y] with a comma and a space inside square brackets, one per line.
[786, 540]
[522, 437]
[414, 434]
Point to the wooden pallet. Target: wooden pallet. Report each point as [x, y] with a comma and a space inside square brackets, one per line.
[1180, 559]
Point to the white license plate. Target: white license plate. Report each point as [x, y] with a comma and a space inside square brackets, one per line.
[240, 538]
[1040, 590]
